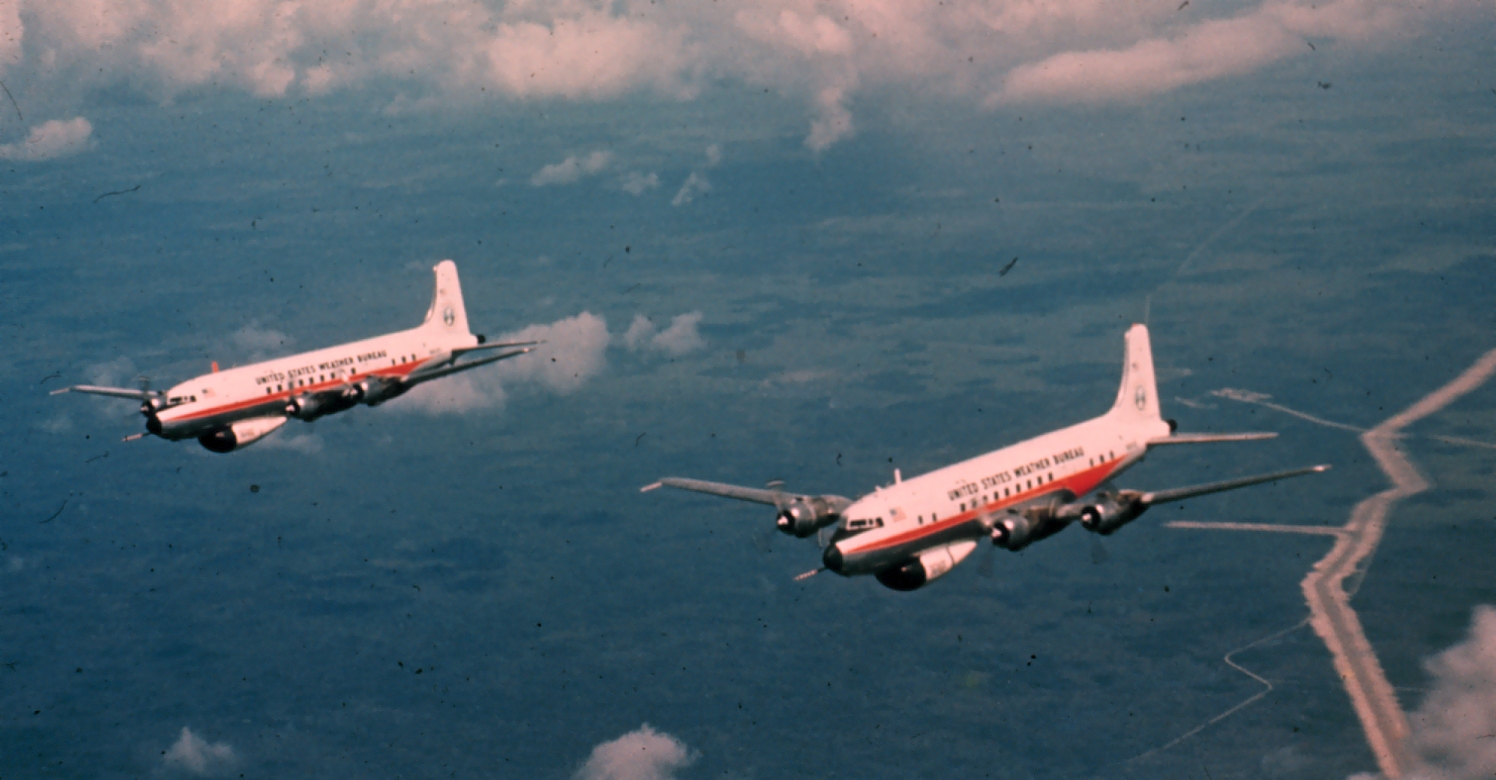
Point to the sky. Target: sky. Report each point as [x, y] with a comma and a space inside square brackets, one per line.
[810, 241]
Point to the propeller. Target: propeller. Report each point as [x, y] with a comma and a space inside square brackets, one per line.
[780, 501]
[984, 566]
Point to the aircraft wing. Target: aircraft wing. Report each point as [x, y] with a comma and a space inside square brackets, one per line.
[427, 374]
[117, 392]
[1112, 510]
[1207, 438]
[1177, 494]
[756, 495]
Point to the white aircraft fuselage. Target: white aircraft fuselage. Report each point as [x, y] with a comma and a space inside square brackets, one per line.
[227, 410]
[946, 511]
[915, 530]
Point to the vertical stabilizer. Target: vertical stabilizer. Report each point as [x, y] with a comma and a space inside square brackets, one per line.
[1137, 398]
[447, 315]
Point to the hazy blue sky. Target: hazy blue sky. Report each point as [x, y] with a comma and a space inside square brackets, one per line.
[762, 241]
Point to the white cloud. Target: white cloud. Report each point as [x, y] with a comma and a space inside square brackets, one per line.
[676, 340]
[1211, 49]
[713, 156]
[571, 169]
[261, 343]
[694, 185]
[573, 352]
[196, 756]
[304, 443]
[51, 139]
[114, 373]
[639, 333]
[681, 337]
[644, 754]
[635, 183]
[1452, 728]
[834, 121]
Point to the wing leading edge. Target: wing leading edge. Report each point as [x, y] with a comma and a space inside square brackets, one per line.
[756, 495]
[117, 392]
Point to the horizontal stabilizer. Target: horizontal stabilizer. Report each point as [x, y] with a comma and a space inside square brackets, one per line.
[1208, 438]
[1176, 494]
[423, 375]
[756, 495]
[117, 392]
[456, 351]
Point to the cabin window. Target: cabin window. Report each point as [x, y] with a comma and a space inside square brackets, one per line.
[277, 388]
[963, 506]
[1051, 476]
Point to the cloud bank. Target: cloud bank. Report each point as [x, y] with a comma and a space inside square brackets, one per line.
[195, 755]
[678, 339]
[50, 140]
[644, 754]
[1452, 730]
[821, 54]
[571, 169]
[573, 352]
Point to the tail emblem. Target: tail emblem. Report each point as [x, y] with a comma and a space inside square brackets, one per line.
[448, 317]
[1140, 398]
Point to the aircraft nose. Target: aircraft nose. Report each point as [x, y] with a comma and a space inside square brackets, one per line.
[832, 557]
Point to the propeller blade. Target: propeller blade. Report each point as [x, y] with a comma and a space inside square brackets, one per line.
[1098, 553]
[809, 574]
[135, 437]
[776, 485]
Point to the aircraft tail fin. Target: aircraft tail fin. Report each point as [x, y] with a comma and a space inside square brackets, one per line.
[1137, 398]
[447, 314]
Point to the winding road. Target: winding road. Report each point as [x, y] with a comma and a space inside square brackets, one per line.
[1330, 612]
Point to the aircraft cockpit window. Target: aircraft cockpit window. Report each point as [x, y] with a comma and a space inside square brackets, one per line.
[861, 524]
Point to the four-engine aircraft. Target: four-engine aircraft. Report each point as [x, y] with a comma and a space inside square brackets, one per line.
[231, 409]
[915, 530]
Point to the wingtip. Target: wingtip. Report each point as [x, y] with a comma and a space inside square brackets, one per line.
[650, 486]
[1321, 467]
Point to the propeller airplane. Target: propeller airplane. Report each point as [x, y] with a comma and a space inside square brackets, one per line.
[912, 532]
[231, 409]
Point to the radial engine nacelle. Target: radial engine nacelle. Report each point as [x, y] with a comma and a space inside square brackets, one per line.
[1013, 531]
[241, 434]
[930, 565]
[374, 390]
[805, 515]
[305, 407]
[1112, 512]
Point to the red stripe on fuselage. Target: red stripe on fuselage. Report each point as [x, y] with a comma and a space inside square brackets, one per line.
[1079, 483]
[398, 371]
